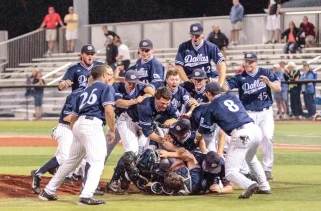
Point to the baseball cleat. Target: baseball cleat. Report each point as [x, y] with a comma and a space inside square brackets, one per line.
[114, 188]
[259, 191]
[47, 197]
[250, 191]
[35, 182]
[269, 176]
[99, 192]
[90, 201]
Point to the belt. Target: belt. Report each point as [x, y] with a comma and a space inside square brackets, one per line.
[263, 109]
[92, 118]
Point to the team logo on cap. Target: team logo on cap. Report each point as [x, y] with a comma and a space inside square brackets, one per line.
[249, 55]
[195, 28]
[133, 77]
[145, 43]
[214, 165]
[197, 73]
[89, 48]
[178, 127]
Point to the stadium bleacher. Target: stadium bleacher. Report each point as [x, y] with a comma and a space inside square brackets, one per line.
[13, 101]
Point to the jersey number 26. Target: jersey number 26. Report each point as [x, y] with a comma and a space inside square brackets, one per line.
[91, 100]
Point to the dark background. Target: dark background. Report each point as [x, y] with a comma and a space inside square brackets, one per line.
[22, 16]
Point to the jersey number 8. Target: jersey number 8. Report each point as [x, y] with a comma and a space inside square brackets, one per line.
[231, 105]
[91, 100]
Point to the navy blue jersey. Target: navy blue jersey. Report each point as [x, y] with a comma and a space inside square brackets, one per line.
[122, 93]
[180, 97]
[198, 95]
[146, 114]
[187, 143]
[191, 57]
[196, 116]
[69, 105]
[253, 93]
[225, 110]
[150, 71]
[93, 100]
[79, 74]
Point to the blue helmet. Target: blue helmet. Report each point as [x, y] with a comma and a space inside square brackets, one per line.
[148, 160]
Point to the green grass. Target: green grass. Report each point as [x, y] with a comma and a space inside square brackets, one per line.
[297, 183]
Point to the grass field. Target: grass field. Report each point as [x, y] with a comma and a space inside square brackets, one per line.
[297, 183]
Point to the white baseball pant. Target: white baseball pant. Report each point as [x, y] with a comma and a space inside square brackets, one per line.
[89, 139]
[239, 150]
[63, 135]
[264, 119]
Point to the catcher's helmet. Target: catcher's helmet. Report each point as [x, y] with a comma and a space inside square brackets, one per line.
[129, 158]
[148, 160]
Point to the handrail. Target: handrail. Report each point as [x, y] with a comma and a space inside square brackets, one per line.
[309, 62]
[316, 69]
[55, 80]
[56, 70]
[21, 36]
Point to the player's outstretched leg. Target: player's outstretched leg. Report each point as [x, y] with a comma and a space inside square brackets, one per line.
[113, 186]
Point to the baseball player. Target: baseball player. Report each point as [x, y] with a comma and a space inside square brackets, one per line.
[181, 97]
[94, 108]
[198, 53]
[150, 69]
[154, 109]
[63, 135]
[254, 87]
[230, 115]
[77, 75]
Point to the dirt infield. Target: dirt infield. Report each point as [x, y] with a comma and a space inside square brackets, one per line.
[15, 186]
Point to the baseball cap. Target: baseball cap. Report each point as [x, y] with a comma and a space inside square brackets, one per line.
[88, 49]
[212, 163]
[132, 76]
[180, 127]
[110, 37]
[146, 43]
[250, 56]
[70, 8]
[196, 28]
[276, 65]
[305, 64]
[213, 87]
[199, 74]
[291, 64]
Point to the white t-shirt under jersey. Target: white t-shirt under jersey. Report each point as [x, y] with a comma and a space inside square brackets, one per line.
[124, 51]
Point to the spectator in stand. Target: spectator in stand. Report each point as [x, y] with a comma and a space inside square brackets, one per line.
[236, 17]
[111, 52]
[283, 69]
[218, 38]
[71, 20]
[280, 97]
[308, 91]
[292, 38]
[108, 32]
[30, 79]
[38, 94]
[292, 74]
[51, 21]
[310, 32]
[123, 57]
[273, 21]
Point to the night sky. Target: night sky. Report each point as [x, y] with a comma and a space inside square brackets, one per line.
[22, 16]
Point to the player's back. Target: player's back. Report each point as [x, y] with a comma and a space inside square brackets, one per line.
[228, 112]
[69, 105]
[92, 101]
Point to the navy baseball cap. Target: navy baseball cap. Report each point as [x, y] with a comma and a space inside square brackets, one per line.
[132, 76]
[180, 127]
[146, 43]
[88, 49]
[213, 87]
[250, 56]
[199, 74]
[196, 28]
[212, 163]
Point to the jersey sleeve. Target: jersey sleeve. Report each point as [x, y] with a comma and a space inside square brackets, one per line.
[217, 56]
[156, 85]
[157, 73]
[172, 111]
[179, 60]
[232, 83]
[186, 98]
[207, 121]
[69, 75]
[108, 96]
[145, 118]
[272, 77]
[118, 94]
[75, 107]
